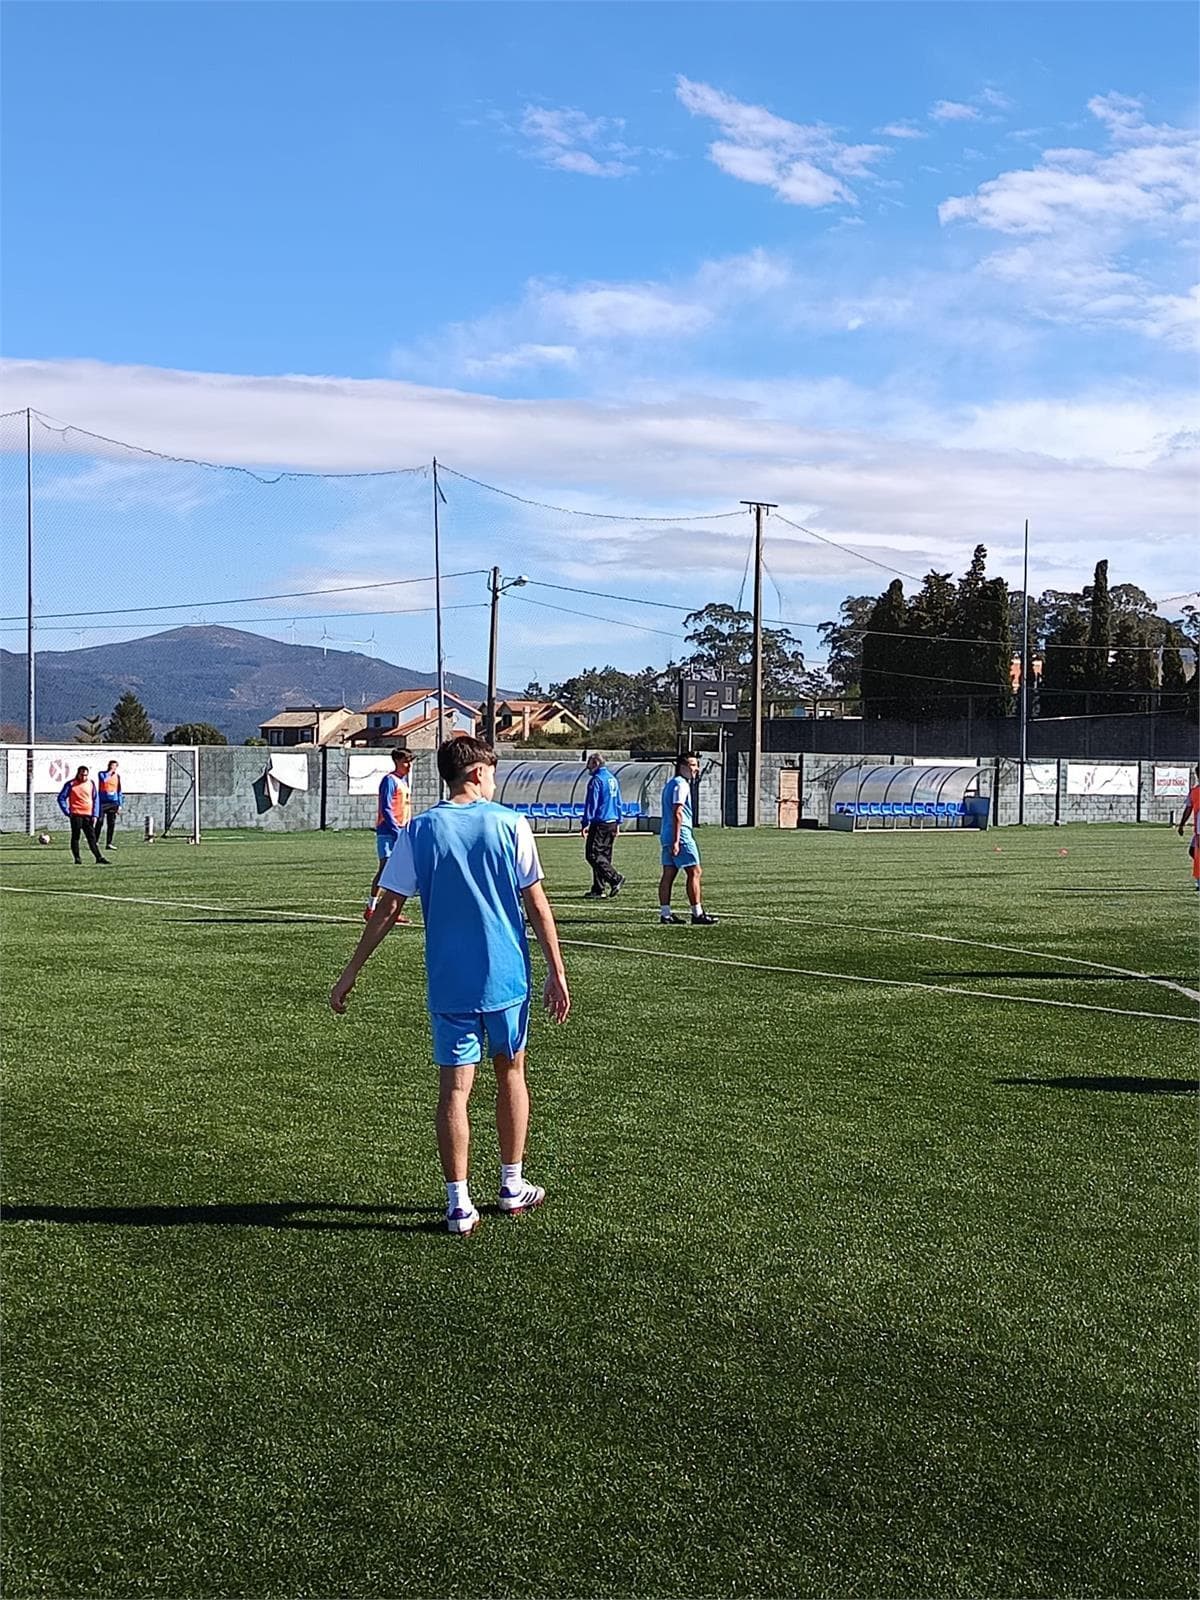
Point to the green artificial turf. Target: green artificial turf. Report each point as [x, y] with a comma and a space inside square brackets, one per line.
[840, 1289]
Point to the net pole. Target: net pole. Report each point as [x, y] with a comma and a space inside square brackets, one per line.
[1025, 670]
[437, 606]
[31, 694]
[195, 795]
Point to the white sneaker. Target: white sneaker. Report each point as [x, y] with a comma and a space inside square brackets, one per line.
[461, 1221]
[527, 1198]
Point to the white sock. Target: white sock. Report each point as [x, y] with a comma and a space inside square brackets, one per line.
[510, 1176]
[697, 909]
[458, 1197]
[664, 911]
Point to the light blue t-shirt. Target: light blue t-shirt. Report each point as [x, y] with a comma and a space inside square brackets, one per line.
[677, 792]
[469, 864]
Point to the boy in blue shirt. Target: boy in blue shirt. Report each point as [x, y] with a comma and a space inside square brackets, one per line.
[475, 866]
[679, 849]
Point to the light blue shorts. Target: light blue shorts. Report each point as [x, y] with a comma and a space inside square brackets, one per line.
[689, 855]
[385, 843]
[459, 1037]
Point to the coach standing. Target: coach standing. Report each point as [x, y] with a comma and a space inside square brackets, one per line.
[601, 824]
[79, 802]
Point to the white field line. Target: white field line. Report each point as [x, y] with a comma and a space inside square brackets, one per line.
[641, 950]
[893, 983]
[946, 938]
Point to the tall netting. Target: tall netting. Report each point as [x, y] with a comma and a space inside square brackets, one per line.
[604, 583]
[127, 543]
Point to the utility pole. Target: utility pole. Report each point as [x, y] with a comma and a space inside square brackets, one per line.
[31, 697]
[1026, 667]
[760, 509]
[498, 586]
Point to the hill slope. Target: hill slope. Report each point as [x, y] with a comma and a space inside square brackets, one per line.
[234, 680]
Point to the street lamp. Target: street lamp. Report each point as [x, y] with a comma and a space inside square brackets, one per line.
[498, 585]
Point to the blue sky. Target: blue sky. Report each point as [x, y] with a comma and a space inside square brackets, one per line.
[914, 271]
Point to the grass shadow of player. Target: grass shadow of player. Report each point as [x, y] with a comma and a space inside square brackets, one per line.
[307, 1215]
[1113, 1085]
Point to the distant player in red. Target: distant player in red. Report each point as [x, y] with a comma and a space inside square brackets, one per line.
[79, 802]
[391, 818]
[1192, 811]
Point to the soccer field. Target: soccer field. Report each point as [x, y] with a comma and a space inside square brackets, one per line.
[868, 1265]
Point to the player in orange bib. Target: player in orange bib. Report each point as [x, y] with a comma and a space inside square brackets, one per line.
[1191, 812]
[391, 818]
[79, 802]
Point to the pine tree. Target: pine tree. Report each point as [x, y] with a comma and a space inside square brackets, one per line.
[982, 653]
[194, 733]
[884, 695]
[129, 723]
[90, 730]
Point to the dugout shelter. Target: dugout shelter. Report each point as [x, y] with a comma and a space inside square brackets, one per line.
[868, 797]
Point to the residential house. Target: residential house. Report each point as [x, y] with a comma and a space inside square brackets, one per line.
[519, 719]
[411, 718]
[315, 726]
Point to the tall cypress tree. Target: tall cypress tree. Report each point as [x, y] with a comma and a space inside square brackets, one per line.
[1133, 671]
[1065, 667]
[928, 654]
[1099, 637]
[884, 695]
[1173, 680]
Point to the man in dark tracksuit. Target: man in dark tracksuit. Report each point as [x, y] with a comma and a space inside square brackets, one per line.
[601, 824]
[112, 797]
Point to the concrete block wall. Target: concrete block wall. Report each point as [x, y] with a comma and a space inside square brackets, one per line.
[819, 773]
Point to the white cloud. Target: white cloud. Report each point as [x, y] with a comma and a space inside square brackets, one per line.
[796, 160]
[909, 491]
[902, 130]
[953, 111]
[521, 358]
[556, 326]
[571, 141]
[1080, 210]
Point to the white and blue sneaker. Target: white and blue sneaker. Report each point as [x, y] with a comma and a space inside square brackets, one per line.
[527, 1198]
[461, 1221]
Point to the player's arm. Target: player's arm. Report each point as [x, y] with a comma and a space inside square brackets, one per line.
[556, 996]
[678, 825]
[382, 922]
[62, 799]
[1183, 821]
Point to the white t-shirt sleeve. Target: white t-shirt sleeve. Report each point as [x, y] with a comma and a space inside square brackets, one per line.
[529, 868]
[399, 872]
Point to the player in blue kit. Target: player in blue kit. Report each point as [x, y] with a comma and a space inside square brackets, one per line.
[680, 852]
[475, 866]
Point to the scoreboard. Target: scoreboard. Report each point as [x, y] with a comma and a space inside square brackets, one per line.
[708, 699]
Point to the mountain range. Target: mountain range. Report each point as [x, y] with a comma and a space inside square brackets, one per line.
[234, 680]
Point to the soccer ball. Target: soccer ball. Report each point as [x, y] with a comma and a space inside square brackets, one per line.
[44, 838]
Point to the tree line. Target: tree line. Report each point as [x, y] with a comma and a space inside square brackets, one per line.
[946, 651]
[129, 723]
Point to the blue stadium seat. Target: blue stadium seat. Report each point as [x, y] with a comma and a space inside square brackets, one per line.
[577, 809]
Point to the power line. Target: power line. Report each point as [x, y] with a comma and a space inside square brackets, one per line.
[246, 599]
[270, 622]
[846, 549]
[55, 425]
[593, 616]
[571, 511]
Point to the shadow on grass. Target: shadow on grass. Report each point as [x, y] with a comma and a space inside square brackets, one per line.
[1116, 1084]
[249, 1214]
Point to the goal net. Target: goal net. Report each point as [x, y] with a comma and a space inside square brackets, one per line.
[160, 786]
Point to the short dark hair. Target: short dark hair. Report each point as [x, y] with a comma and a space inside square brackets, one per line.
[400, 754]
[110, 766]
[684, 756]
[458, 755]
[79, 773]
